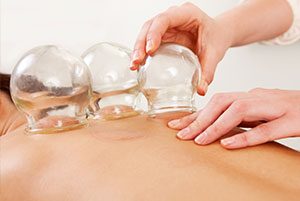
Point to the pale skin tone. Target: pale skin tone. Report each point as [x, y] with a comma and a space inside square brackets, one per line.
[279, 111]
[273, 114]
[138, 158]
[10, 117]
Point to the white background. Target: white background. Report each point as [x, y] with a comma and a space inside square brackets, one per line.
[78, 24]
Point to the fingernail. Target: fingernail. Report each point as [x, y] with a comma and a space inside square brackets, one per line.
[203, 85]
[201, 138]
[135, 56]
[173, 123]
[183, 133]
[149, 45]
[133, 67]
[228, 141]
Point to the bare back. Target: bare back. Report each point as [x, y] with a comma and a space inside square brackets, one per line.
[140, 159]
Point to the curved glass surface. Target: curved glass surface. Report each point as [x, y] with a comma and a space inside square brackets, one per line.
[169, 79]
[114, 86]
[52, 88]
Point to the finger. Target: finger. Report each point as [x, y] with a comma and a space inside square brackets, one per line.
[209, 61]
[215, 107]
[203, 83]
[183, 122]
[202, 87]
[173, 17]
[139, 51]
[259, 91]
[231, 117]
[249, 109]
[181, 38]
[263, 133]
[158, 28]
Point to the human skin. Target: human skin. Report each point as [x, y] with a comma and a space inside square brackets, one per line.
[139, 158]
[277, 111]
[210, 38]
[10, 117]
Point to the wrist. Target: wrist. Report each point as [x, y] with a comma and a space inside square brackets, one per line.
[256, 20]
[229, 29]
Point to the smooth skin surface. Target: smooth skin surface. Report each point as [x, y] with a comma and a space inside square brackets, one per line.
[137, 158]
[140, 159]
[10, 117]
[210, 38]
[276, 112]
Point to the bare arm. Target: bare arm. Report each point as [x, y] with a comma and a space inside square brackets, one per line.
[257, 20]
[209, 38]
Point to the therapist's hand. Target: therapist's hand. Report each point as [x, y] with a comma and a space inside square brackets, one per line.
[189, 26]
[279, 110]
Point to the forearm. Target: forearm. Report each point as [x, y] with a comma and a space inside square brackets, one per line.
[257, 20]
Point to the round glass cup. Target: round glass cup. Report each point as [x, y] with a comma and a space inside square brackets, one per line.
[169, 79]
[115, 87]
[52, 88]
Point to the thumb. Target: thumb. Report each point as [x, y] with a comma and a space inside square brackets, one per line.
[181, 38]
[208, 61]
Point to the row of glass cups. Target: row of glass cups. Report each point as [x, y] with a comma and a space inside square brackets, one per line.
[58, 91]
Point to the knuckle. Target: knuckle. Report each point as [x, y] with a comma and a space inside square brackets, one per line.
[263, 131]
[195, 126]
[239, 106]
[185, 120]
[218, 98]
[244, 139]
[172, 8]
[162, 16]
[214, 129]
[147, 24]
[257, 90]
[188, 4]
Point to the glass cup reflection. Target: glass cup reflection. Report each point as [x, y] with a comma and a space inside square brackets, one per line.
[114, 86]
[52, 88]
[169, 79]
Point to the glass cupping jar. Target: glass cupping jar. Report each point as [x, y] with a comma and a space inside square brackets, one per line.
[53, 89]
[115, 87]
[169, 79]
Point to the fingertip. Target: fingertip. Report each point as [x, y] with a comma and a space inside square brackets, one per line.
[149, 46]
[202, 139]
[133, 68]
[227, 141]
[230, 143]
[174, 123]
[198, 140]
[183, 133]
[202, 87]
[152, 44]
[134, 65]
[179, 136]
[200, 91]
[135, 56]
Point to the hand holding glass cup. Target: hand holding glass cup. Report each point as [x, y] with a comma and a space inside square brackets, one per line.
[169, 79]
